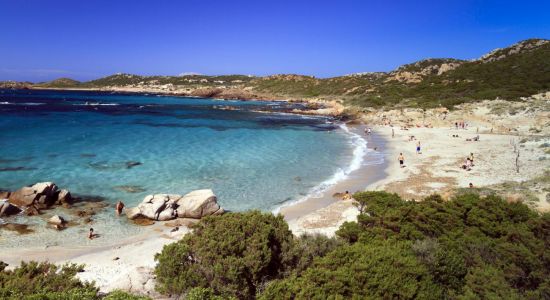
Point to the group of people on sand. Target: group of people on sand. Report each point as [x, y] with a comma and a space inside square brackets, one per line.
[461, 125]
[119, 206]
[468, 163]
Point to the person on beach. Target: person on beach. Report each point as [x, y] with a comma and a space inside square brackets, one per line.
[392, 133]
[401, 159]
[119, 207]
[472, 158]
[347, 196]
[418, 148]
[91, 234]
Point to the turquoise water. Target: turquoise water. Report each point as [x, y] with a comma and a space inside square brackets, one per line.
[95, 143]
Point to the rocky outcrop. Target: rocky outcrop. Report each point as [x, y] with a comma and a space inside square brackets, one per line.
[42, 194]
[164, 207]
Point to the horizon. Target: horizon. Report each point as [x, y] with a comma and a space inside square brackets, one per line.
[84, 41]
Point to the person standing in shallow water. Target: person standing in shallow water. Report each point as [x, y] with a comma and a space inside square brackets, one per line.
[119, 207]
[418, 148]
[401, 159]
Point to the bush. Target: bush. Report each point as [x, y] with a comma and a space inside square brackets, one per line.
[35, 280]
[122, 295]
[382, 270]
[233, 254]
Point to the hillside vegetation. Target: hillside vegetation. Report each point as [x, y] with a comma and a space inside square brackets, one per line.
[520, 70]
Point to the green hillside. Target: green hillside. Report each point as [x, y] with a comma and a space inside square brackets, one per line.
[511, 73]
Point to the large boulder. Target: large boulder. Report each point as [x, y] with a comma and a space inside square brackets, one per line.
[164, 207]
[43, 194]
[8, 209]
[198, 204]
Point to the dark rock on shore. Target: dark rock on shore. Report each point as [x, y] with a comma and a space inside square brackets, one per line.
[8, 209]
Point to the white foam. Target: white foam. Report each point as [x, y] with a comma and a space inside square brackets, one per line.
[24, 103]
[97, 104]
[359, 152]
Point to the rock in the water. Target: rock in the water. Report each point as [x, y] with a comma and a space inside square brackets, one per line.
[19, 228]
[64, 197]
[142, 221]
[4, 194]
[8, 209]
[131, 164]
[32, 211]
[164, 207]
[43, 193]
[129, 188]
[153, 205]
[56, 220]
[133, 213]
[198, 204]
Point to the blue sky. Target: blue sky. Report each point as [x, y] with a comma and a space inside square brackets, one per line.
[42, 40]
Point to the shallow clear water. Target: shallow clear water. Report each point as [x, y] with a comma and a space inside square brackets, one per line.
[84, 141]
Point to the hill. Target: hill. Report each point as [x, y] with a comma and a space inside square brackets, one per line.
[511, 73]
[60, 83]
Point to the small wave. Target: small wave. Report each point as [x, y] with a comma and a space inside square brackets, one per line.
[23, 103]
[32, 103]
[359, 152]
[96, 104]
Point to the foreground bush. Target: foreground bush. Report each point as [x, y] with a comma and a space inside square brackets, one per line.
[44, 281]
[233, 254]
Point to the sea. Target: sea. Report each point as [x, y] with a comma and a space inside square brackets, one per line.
[118, 146]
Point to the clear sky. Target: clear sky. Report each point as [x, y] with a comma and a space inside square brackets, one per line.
[42, 40]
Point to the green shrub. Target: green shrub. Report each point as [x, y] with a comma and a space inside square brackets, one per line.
[381, 270]
[122, 295]
[233, 254]
[33, 280]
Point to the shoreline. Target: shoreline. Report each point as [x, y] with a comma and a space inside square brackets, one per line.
[356, 179]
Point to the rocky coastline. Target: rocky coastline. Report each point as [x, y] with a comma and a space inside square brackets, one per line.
[34, 200]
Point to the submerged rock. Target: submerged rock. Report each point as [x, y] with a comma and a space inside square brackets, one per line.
[19, 228]
[129, 188]
[131, 164]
